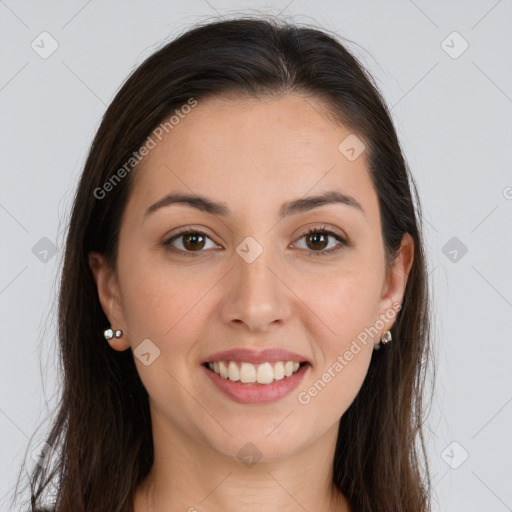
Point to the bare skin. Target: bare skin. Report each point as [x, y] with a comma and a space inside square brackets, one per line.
[252, 155]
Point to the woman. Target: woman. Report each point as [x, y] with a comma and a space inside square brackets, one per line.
[243, 240]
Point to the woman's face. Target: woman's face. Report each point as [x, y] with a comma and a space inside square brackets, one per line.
[251, 278]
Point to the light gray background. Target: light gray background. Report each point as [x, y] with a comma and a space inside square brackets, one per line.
[453, 119]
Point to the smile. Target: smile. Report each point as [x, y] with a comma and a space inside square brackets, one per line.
[256, 384]
[264, 373]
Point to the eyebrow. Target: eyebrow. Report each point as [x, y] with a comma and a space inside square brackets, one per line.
[294, 207]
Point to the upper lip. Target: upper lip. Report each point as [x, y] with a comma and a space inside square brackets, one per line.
[251, 356]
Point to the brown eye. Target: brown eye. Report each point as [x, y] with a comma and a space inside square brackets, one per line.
[191, 241]
[318, 239]
[194, 241]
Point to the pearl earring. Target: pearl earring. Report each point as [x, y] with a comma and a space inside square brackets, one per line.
[386, 336]
[109, 334]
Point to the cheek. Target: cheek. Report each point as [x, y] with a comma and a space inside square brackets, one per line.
[345, 307]
[343, 351]
[160, 301]
[167, 307]
[346, 300]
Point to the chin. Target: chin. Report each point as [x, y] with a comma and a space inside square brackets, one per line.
[266, 444]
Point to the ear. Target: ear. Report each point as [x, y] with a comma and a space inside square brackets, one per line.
[110, 298]
[394, 287]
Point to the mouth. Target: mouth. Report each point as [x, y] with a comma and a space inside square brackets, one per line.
[265, 373]
[254, 384]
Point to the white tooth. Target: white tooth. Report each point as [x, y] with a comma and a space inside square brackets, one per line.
[288, 368]
[247, 372]
[279, 370]
[223, 369]
[265, 374]
[233, 372]
[210, 365]
[216, 367]
[296, 366]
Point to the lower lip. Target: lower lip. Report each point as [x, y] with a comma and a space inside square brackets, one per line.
[258, 393]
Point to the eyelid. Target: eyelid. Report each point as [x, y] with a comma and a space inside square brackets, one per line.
[323, 227]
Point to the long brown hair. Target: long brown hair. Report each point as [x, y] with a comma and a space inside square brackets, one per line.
[102, 431]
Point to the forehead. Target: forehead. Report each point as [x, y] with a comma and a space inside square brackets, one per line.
[252, 151]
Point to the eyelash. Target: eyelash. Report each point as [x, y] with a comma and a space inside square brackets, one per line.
[342, 242]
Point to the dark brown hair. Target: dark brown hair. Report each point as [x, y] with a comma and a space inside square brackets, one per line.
[102, 432]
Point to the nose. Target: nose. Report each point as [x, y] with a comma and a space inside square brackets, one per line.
[257, 297]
